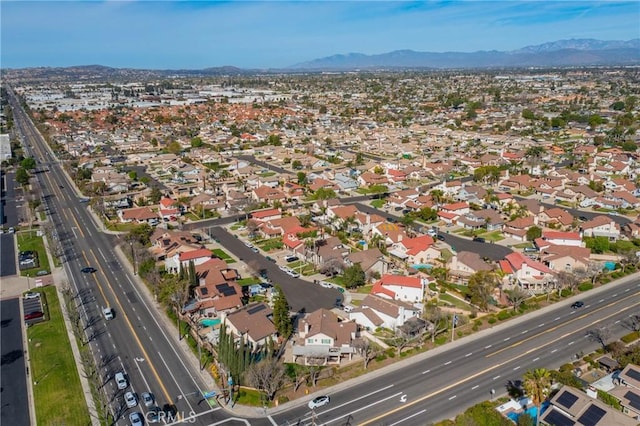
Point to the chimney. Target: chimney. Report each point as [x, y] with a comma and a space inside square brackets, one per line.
[307, 328]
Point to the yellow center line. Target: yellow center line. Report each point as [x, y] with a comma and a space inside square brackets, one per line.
[135, 335]
[473, 376]
[533, 336]
[77, 225]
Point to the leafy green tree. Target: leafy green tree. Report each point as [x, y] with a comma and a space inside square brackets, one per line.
[527, 114]
[142, 234]
[302, 178]
[481, 286]
[296, 164]
[281, 317]
[598, 245]
[274, 140]
[354, 276]
[533, 233]
[174, 147]
[536, 384]
[196, 142]
[155, 195]
[28, 163]
[22, 176]
[133, 175]
[324, 194]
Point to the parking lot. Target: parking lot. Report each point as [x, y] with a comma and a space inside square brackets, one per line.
[33, 308]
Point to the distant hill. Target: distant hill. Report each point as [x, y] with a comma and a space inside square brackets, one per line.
[574, 52]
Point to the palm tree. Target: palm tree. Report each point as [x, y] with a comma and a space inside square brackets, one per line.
[536, 384]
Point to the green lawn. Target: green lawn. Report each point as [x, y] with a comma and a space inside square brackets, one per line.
[453, 301]
[271, 244]
[223, 255]
[29, 240]
[378, 204]
[58, 395]
[248, 281]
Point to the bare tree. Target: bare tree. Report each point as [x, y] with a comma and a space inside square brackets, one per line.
[632, 323]
[300, 374]
[594, 270]
[314, 373]
[401, 341]
[568, 280]
[267, 375]
[367, 350]
[516, 296]
[628, 258]
[599, 335]
[439, 319]
[332, 266]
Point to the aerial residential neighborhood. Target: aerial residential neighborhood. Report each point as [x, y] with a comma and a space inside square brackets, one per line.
[318, 224]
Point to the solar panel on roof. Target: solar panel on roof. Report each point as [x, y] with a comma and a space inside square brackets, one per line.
[634, 374]
[592, 416]
[634, 399]
[556, 418]
[255, 309]
[567, 399]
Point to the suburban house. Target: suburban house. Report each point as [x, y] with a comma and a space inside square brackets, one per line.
[601, 226]
[628, 391]
[465, 263]
[265, 215]
[372, 261]
[266, 194]
[517, 228]
[376, 311]
[555, 218]
[417, 250]
[217, 290]
[563, 238]
[571, 406]
[253, 323]
[180, 260]
[398, 287]
[165, 243]
[138, 215]
[565, 257]
[529, 274]
[323, 338]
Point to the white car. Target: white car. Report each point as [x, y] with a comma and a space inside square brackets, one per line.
[326, 284]
[130, 399]
[121, 381]
[147, 399]
[136, 419]
[318, 402]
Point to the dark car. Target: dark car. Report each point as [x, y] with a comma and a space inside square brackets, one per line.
[578, 304]
[88, 270]
[270, 259]
[479, 239]
[583, 219]
[440, 237]
[33, 315]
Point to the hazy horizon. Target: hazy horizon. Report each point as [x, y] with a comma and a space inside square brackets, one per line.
[263, 34]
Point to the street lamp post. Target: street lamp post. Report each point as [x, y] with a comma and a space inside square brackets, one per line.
[133, 257]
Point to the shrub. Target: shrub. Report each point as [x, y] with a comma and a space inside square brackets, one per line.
[503, 315]
[433, 286]
[477, 323]
[473, 314]
[586, 286]
[282, 399]
[492, 320]
[609, 399]
[566, 292]
[381, 357]
[631, 337]
[475, 328]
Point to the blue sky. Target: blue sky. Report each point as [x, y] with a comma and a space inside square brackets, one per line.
[273, 34]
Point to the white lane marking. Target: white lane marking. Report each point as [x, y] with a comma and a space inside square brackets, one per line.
[426, 371]
[614, 295]
[601, 300]
[524, 332]
[496, 378]
[536, 359]
[554, 351]
[626, 290]
[447, 363]
[570, 343]
[342, 416]
[507, 338]
[488, 346]
[556, 318]
[407, 418]
[475, 387]
[175, 381]
[468, 355]
[516, 368]
[617, 322]
[453, 397]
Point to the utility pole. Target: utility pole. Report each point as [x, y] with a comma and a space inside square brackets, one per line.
[454, 321]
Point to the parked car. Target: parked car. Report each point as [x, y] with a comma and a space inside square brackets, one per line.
[479, 239]
[578, 304]
[270, 259]
[440, 237]
[130, 399]
[33, 315]
[318, 402]
[121, 381]
[31, 295]
[291, 258]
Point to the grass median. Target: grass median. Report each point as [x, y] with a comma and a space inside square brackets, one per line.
[58, 395]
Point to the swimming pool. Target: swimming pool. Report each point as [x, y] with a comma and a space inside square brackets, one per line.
[210, 322]
[532, 411]
[422, 266]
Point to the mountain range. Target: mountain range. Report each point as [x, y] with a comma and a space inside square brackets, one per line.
[562, 53]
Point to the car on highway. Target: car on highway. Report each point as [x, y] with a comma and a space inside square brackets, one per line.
[578, 304]
[147, 399]
[88, 270]
[318, 402]
[108, 313]
[121, 381]
[136, 419]
[131, 399]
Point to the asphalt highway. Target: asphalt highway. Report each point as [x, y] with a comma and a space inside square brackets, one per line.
[441, 383]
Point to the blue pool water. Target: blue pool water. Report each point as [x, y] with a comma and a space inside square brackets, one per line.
[532, 411]
[421, 266]
[210, 322]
